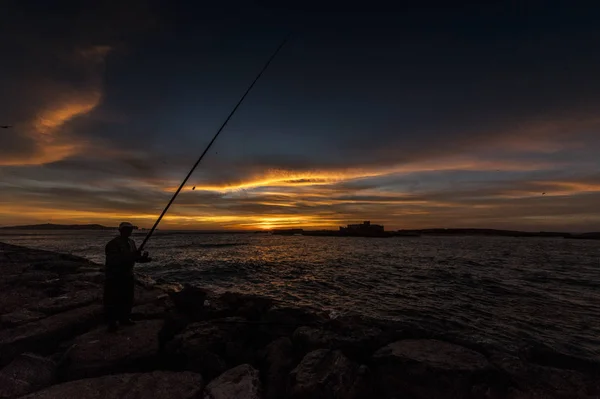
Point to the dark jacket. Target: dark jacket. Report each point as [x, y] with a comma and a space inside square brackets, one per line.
[121, 255]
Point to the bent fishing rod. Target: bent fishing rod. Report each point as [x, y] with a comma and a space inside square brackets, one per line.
[211, 143]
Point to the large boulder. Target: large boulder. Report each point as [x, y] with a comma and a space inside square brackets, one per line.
[17, 254]
[201, 304]
[294, 316]
[190, 299]
[67, 301]
[27, 373]
[281, 321]
[278, 361]
[132, 348]
[546, 381]
[327, 374]
[36, 276]
[143, 295]
[60, 266]
[250, 307]
[154, 310]
[239, 382]
[158, 385]
[174, 323]
[17, 294]
[545, 355]
[357, 342]
[144, 280]
[90, 269]
[209, 346]
[45, 335]
[18, 317]
[428, 369]
[96, 277]
[49, 286]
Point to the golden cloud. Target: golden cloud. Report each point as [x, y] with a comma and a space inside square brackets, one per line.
[287, 178]
[61, 104]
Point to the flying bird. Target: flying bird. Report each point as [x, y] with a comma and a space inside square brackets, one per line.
[193, 188]
[5, 126]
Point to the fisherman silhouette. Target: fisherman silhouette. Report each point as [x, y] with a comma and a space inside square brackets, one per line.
[121, 256]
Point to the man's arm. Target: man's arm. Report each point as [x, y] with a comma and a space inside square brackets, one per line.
[139, 256]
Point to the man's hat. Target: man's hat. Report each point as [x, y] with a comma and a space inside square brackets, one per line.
[125, 225]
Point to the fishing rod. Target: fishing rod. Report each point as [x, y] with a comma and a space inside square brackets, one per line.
[211, 143]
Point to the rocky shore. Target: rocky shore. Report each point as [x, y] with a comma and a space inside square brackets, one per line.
[192, 343]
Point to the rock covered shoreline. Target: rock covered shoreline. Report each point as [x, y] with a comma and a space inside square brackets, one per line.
[192, 343]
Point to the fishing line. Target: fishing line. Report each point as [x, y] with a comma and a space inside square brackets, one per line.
[211, 142]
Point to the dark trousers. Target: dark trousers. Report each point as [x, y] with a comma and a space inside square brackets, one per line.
[118, 297]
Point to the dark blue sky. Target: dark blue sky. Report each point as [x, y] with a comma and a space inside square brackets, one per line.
[471, 115]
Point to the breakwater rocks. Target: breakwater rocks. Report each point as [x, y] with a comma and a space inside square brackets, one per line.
[192, 343]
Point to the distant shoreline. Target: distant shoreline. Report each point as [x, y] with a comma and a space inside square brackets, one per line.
[440, 232]
[443, 232]
[50, 226]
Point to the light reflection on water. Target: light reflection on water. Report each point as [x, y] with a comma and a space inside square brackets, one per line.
[506, 291]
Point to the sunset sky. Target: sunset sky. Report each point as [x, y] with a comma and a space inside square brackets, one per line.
[464, 116]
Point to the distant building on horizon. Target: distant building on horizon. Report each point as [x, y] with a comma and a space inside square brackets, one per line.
[363, 228]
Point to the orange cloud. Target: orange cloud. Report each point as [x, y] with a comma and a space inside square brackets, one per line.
[60, 104]
[286, 178]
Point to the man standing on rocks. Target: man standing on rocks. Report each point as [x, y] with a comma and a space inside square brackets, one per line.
[121, 256]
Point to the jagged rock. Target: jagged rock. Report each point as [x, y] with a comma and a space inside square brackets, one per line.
[60, 266]
[44, 284]
[547, 380]
[174, 323]
[27, 373]
[44, 335]
[190, 298]
[70, 257]
[283, 321]
[90, 269]
[428, 369]
[546, 356]
[16, 297]
[294, 316]
[18, 317]
[18, 254]
[79, 285]
[327, 374]
[143, 296]
[208, 346]
[94, 277]
[240, 382]
[144, 281]
[157, 385]
[6, 279]
[359, 342]
[278, 361]
[169, 287]
[131, 348]
[150, 311]
[36, 276]
[201, 304]
[68, 301]
[250, 307]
